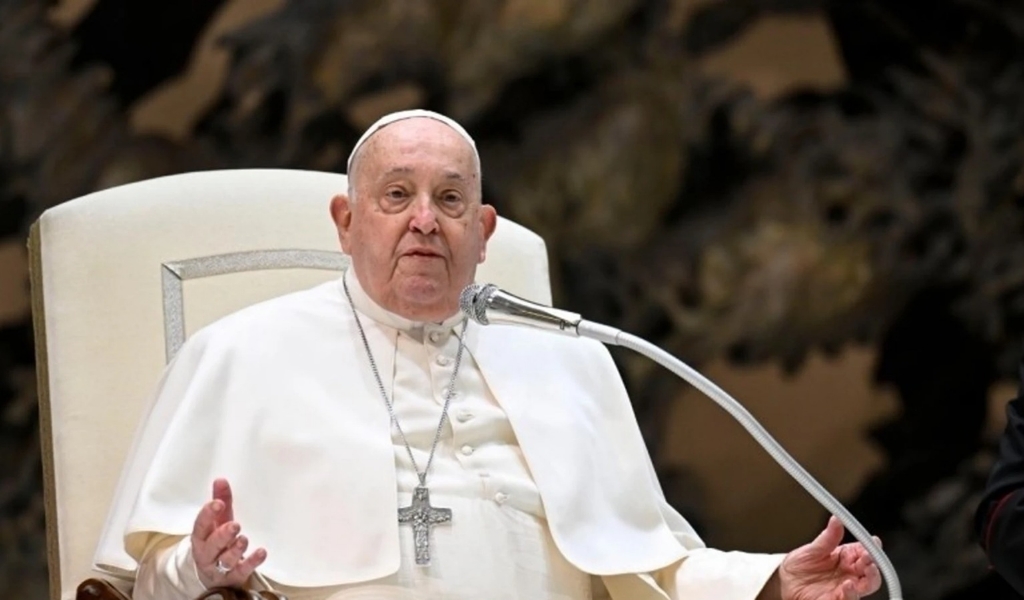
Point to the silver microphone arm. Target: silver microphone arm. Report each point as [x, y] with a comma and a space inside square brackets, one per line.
[489, 305]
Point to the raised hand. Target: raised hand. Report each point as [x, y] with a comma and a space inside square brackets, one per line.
[218, 548]
[825, 570]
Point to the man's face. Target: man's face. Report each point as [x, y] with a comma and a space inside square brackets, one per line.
[415, 228]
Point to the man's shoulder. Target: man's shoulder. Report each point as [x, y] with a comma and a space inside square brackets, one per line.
[293, 313]
[546, 345]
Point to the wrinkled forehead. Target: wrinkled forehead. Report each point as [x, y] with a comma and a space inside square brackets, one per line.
[373, 132]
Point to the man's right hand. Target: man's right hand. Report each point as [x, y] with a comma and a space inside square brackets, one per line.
[218, 549]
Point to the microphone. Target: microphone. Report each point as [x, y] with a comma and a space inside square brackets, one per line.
[489, 305]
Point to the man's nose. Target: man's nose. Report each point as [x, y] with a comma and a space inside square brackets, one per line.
[424, 219]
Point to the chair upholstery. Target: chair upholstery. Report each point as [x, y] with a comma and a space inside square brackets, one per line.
[105, 270]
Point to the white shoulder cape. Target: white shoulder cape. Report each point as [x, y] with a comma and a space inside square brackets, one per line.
[278, 399]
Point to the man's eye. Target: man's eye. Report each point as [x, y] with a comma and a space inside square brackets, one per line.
[452, 198]
[395, 194]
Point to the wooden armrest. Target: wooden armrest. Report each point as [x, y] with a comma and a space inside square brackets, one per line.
[98, 589]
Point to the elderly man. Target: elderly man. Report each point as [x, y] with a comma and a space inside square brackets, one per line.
[379, 446]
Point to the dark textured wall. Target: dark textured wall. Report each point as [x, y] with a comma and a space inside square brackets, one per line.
[800, 213]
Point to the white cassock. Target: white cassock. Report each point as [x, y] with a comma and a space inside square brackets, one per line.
[541, 462]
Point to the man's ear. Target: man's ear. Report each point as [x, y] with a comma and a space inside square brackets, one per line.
[341, 213]
[488, 221]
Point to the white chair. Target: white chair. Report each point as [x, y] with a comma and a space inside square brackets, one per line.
[120, 277]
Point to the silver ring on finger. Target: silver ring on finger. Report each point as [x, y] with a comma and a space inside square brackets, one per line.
[222, 568]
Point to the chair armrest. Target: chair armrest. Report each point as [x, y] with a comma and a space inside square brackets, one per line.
[98, 589]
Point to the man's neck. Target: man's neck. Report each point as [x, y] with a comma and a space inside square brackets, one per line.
[366, 305]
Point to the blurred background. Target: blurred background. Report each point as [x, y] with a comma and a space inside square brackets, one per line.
[819, 203]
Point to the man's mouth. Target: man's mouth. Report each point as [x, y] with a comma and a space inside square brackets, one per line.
[422, 253]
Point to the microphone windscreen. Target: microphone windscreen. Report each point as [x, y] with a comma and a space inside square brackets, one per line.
[468, 301]
[475, 299]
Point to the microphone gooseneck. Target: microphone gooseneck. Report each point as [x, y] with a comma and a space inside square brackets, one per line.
[487, 305]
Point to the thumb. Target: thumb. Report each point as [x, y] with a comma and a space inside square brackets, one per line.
[830, 537]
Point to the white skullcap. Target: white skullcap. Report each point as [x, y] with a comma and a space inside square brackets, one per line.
[408, 114]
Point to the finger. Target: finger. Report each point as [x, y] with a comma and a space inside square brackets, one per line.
[233, 555]
[222, 492]
[848, 591]
[243, 570]
[220, 540]
[877, 540]
[870, 582]
[206, 521]
[860, 566]
[863, 561]
[828, 540]
[847, 555]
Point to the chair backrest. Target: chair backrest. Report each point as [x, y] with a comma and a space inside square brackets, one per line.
[120, 277]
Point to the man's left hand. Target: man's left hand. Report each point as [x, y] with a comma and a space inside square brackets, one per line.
[826, 570]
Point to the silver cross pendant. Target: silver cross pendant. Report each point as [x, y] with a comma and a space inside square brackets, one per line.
[423, 517]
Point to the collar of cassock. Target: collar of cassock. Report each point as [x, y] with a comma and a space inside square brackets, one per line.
[415, 329]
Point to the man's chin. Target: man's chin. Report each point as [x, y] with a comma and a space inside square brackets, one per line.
[429, 302]
[429, 313]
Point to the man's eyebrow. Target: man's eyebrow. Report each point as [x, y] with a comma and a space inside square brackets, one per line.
[406, 170]
[398, 171]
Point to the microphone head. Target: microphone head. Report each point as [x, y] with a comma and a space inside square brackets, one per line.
[473, 301]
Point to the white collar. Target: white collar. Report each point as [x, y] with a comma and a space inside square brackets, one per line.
[366, 305]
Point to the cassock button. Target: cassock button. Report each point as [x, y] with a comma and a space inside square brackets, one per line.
[501, 497]
[464, 416]
[444, 361]
[436, 337]
[467, 450]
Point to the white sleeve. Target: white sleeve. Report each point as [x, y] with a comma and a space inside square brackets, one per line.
[707, 574]
[702, 574]
[167, 571]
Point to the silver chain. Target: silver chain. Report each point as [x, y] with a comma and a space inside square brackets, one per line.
[448, 392]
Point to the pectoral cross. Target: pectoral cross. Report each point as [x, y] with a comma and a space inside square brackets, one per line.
[423, 517]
